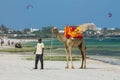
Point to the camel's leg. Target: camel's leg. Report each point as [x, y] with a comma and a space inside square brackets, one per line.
[66, 51]
[83, 53]
[83, 59]
[70, 50]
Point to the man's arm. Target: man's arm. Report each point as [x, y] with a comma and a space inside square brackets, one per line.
[42, 50]
[34, 51]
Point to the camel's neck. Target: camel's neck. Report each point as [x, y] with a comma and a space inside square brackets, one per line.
[60, 38]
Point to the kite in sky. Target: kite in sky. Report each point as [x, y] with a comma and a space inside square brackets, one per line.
[109, 15]
[29, 6]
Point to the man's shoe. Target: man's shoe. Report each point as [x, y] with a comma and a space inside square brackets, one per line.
[41, 68]
[34, 68]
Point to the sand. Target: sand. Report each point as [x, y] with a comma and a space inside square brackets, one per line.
[15, 67]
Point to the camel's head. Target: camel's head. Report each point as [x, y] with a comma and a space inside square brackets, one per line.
[55, 30]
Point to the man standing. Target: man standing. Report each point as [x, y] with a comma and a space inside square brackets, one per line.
[39, 53]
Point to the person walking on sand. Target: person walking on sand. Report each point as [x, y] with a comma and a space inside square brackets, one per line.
[39, 54]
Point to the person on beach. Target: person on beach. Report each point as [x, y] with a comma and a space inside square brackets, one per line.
[39, 54]
[1, 42]
[9, 42]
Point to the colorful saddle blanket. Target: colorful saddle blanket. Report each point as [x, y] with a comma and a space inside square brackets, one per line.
[71, 31]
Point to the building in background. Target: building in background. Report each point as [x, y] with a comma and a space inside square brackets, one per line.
[33, 29]
[90, 26]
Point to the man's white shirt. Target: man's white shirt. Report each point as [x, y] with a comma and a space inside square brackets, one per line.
[39, 48]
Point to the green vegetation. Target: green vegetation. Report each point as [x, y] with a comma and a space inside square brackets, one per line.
[25, 49]
[55, 58]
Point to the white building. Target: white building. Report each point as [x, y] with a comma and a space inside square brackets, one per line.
[90, 26]
[33, 29]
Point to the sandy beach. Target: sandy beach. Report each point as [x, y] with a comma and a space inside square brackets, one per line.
[15, 67]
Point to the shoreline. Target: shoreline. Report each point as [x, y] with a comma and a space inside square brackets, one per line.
[106, 59]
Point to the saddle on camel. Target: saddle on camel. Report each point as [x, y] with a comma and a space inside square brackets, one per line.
[73, 32]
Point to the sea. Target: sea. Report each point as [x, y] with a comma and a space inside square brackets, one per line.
[102, 49]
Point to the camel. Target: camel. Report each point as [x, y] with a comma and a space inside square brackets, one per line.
[69, 44]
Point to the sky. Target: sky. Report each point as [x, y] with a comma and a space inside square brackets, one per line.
[21, 14]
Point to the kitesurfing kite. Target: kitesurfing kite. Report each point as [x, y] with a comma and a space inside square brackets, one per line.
[109, 15]
[29, 6]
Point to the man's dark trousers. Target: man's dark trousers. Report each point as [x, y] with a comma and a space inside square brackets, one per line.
[39, 57]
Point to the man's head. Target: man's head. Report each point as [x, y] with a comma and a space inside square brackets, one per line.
[39, 40]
